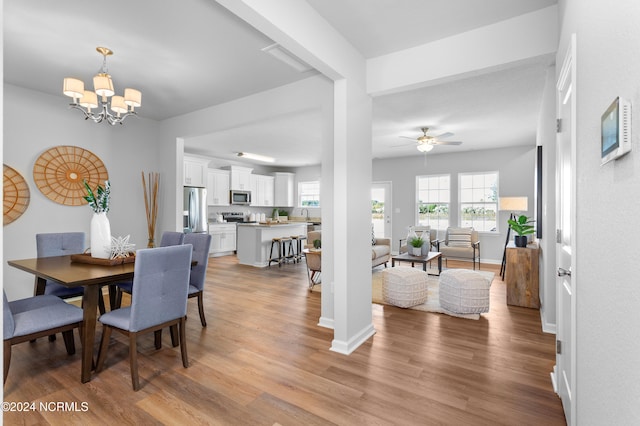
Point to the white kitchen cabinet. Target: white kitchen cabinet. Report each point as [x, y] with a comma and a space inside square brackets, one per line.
[283, 189]
[223, 239]
[217, 187]
[262, 190]
[195, 171]
[240, 178]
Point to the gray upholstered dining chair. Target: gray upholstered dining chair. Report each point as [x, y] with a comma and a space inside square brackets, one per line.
[158, 300]
[60, 244]
[201, 244]
[169, 238]
[37, 316]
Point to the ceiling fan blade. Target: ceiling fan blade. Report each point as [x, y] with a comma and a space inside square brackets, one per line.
[407, 137]
[403, 144]
[444, 135]
[446, 143]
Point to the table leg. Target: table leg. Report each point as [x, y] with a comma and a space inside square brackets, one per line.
[38, 287]
[424, 266]
[439, 264]
[393, 262]
[89, 307]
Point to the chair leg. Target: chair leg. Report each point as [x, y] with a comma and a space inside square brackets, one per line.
[101, 306]
[183, 344]
[173, 331]
[69, 343]
[52, 337]
[7, 360]
[157, 335]
[203, 321]
[118, 299]
[104, 344]
[133, 360]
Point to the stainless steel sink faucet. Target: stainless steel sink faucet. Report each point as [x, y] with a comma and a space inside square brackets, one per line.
[307, 211]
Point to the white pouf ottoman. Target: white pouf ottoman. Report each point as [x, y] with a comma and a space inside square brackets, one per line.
[464, 292]
[404, 287]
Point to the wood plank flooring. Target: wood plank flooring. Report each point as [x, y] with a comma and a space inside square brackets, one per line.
[263, 360]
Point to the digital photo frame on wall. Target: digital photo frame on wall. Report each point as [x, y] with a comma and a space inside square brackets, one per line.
[615, 131]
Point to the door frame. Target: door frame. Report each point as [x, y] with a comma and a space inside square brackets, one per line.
[566, 85]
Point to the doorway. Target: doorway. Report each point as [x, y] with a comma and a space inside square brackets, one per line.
[381, 209]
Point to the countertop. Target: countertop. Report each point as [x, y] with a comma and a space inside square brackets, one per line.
[273, 224]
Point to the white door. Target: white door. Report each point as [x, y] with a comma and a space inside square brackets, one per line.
[381, 209]
[565, 369]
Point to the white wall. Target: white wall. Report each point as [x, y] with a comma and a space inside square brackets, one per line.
[36, 122]
[607, 288]
[515, 166]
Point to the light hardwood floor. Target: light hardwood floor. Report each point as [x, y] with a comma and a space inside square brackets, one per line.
[264, 360]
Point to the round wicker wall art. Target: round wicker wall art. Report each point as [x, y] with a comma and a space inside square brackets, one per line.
[60, 171]
[15, 195]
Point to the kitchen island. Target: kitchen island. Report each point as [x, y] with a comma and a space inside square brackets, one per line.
[254, 240]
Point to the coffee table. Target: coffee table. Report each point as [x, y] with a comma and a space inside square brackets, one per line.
[406, 257]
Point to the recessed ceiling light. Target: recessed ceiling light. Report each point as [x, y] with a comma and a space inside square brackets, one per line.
[256, 157]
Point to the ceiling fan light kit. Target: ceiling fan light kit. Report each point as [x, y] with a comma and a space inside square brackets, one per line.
[86, 100]
[424, 147]
[425, 143]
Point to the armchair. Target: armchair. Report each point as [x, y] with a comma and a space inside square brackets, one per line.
[460, 243]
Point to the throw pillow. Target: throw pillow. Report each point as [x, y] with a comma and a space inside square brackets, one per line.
[373, 236]
[459, 237]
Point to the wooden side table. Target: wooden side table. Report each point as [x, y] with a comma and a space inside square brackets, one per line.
[522, 275]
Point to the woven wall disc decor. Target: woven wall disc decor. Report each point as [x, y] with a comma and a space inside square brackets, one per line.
[15, 195]
[60, 171]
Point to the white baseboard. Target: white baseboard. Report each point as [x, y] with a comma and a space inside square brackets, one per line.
[346, 347]
[547, 327]
[554, 381]
[326, 322]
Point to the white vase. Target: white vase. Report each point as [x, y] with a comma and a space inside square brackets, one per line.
[100, 236]
[416, 251]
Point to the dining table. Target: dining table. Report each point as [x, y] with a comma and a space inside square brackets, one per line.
[92, 277]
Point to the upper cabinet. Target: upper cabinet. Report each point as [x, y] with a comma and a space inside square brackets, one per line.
[262, 188]
[195, 171]
[283, 185]
[240, 178]
[217, 187]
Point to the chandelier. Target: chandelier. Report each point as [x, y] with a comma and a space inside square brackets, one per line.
[86, 100]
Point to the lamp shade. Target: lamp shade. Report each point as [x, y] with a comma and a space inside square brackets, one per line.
[89, 100]
[424, 147]
[118, 105]
[73, 87]
[514, 204]
[132, 97]
[103, 85]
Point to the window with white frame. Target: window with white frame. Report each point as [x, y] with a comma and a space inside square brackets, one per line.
[479, 200]
[434, 197]
[309, 194]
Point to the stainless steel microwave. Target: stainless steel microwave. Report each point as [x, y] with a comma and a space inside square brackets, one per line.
[242, 198]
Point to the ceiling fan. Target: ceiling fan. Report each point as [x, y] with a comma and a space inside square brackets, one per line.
[425, 143]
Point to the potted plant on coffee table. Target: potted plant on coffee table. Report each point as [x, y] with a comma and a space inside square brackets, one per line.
[416, 245]
[522, 226]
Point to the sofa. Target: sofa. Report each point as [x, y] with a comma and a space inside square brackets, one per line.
[380, 248]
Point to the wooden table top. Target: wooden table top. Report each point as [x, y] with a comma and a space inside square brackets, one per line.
[73, 274]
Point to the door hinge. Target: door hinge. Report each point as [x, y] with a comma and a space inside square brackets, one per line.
[558, 125]
[558, 347]
[558, 236]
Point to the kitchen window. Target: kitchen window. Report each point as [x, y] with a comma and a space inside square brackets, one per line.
[309, 194]
[433, 200]
[479, 200]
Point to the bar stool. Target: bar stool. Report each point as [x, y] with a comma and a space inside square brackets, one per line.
[281, 243]
[300, 245]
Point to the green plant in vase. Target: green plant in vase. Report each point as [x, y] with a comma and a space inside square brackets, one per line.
[317, 244]
[522, 226]
[416, 242]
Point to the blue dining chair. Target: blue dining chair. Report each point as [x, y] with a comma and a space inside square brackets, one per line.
[158, 300]
[201, 244]
[38, 316]
[169, 238]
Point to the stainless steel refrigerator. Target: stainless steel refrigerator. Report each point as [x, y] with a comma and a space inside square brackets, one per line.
[195, 210]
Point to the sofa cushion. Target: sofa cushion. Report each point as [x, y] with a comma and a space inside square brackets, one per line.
[459, 237]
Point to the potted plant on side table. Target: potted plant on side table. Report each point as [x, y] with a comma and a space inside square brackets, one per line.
[522, 226]
[416, 245]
